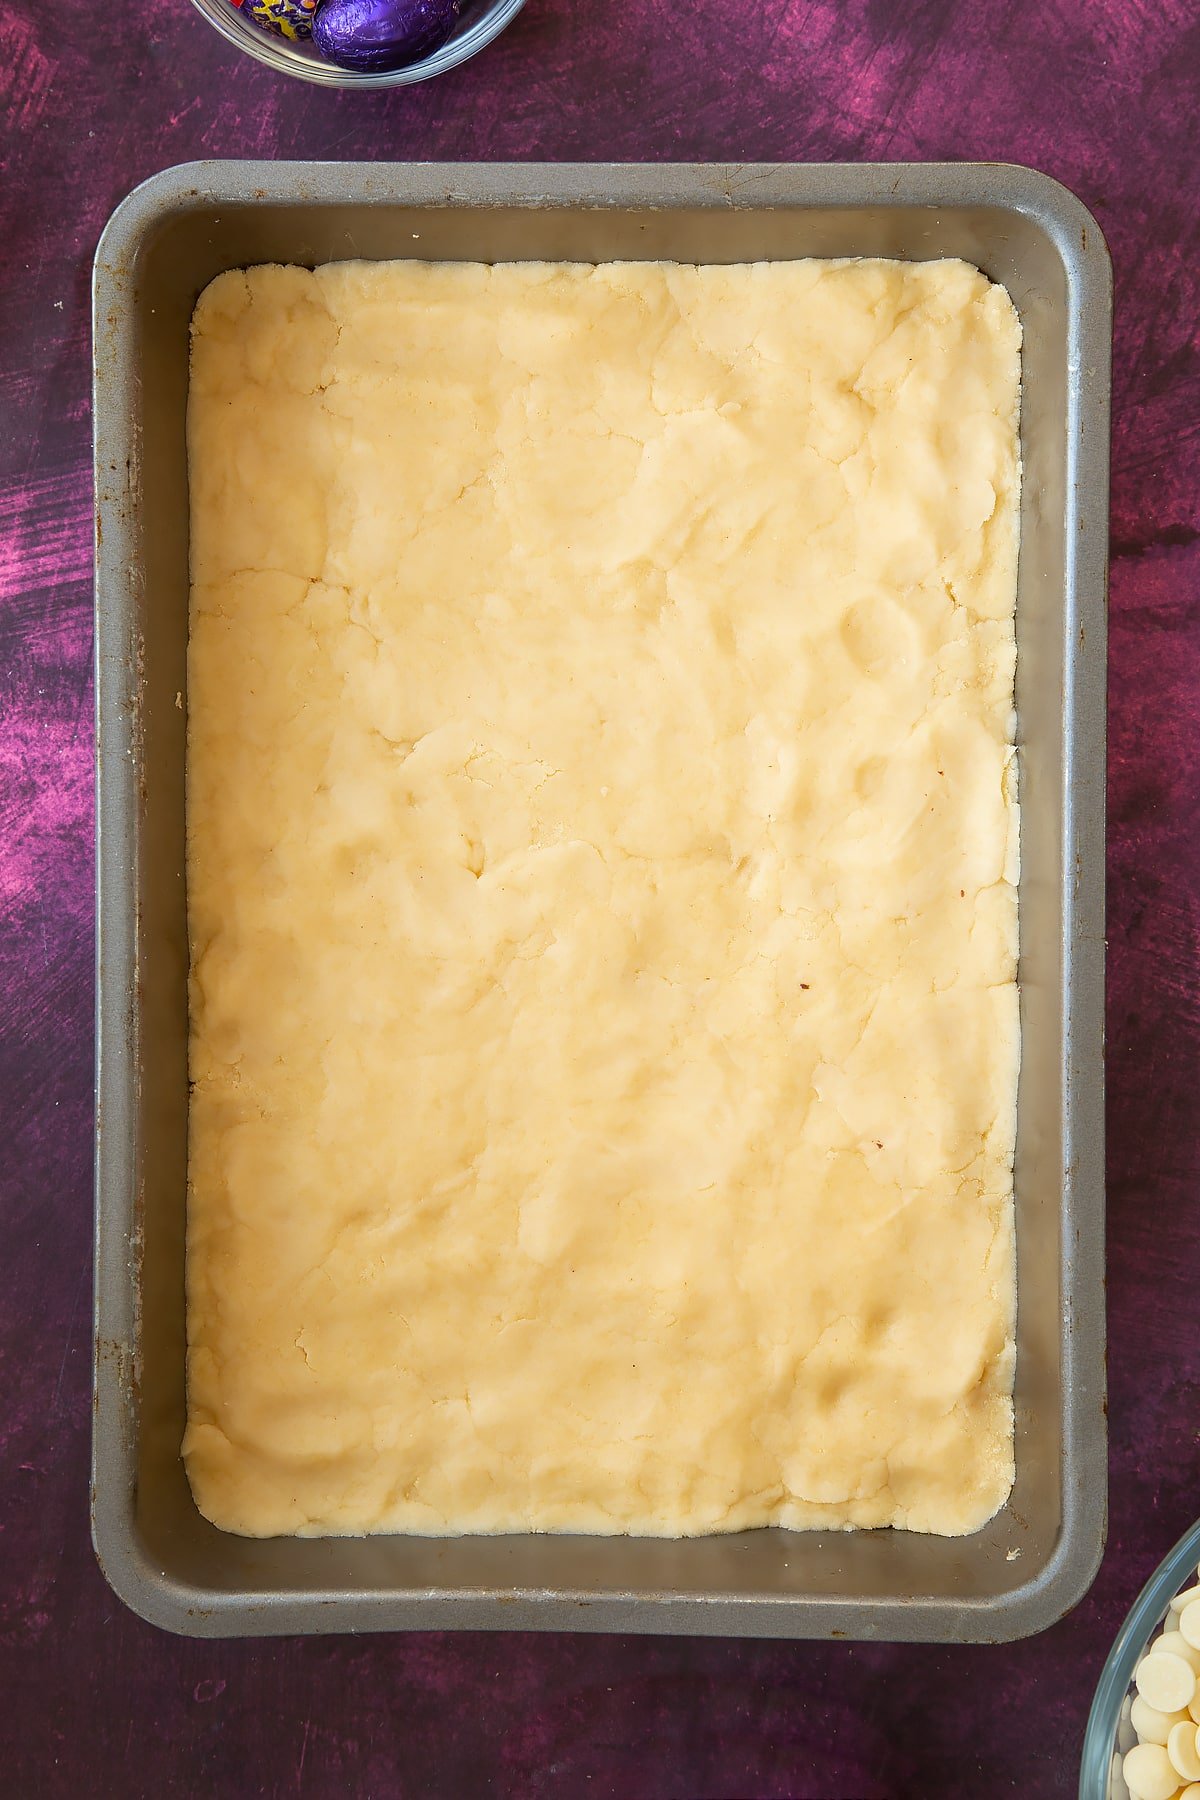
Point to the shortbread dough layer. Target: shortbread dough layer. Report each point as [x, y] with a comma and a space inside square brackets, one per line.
[601, 860]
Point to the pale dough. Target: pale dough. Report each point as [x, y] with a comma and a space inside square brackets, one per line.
[601, 860]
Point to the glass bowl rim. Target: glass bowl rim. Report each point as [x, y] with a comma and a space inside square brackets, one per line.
[276, 53]
[1100, 1735]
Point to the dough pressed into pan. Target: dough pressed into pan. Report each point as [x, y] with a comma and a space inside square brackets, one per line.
[602, 847]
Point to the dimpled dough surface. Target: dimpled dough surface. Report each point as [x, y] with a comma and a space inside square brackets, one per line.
[601, 860]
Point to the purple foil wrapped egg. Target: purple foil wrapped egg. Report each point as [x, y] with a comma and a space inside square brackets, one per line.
[285, 18]
[372, 35]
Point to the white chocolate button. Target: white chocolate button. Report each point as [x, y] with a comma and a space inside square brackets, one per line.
[1149, 1773]
[1185, 1599]
[1181, 1748]
[1166, 1681]
[1189, 1624]
[1191, 1793]
[1178, 1645]
[1152, 1726]
[1194, 1707]
[1175, 1642]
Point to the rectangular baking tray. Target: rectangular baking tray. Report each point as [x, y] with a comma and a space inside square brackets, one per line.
[163, 245]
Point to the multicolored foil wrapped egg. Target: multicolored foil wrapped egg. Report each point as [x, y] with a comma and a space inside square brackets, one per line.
[371, 35]
[285, 18]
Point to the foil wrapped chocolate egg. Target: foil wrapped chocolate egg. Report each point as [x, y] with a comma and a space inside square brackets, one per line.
[284, 18]
[373, 35]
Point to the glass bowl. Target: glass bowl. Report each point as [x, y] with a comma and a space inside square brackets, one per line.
[482, 20]
[1109, 1732]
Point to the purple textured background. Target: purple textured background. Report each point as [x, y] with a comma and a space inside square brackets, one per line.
[1101, 93]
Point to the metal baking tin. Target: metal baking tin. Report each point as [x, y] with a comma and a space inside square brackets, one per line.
[1039, 1554]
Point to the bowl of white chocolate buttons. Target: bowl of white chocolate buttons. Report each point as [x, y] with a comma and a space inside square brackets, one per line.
[1143, 1733]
